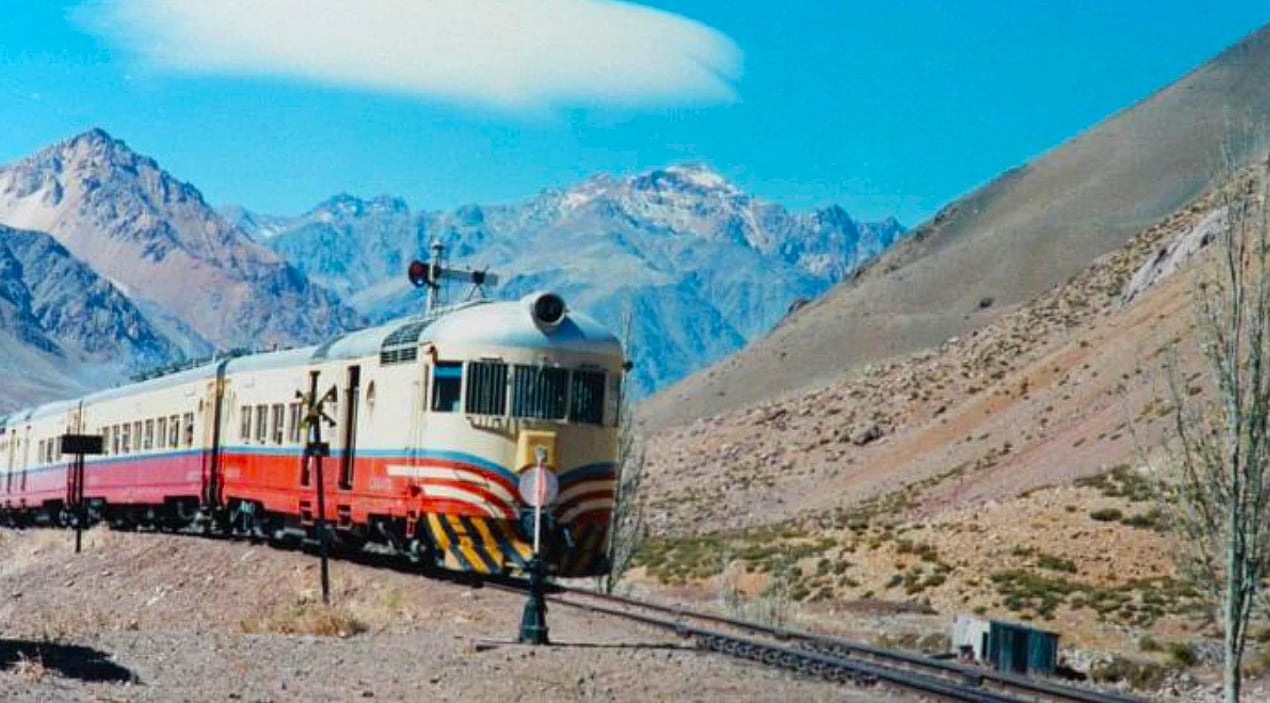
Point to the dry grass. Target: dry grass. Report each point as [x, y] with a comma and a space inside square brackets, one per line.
[305, 619]
[30, 669]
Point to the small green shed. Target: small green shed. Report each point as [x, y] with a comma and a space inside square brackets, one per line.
[1022, 649]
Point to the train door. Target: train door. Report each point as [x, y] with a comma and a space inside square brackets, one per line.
[6, 459]
[72, 427]
[352, 401]
[419, 413]
[26, 457]
[211, 415]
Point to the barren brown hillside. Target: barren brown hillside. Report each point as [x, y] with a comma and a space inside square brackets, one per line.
[1005, 243]
[1002, 472]
[1051, 391]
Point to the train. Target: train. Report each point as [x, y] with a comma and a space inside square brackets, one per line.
[433, 421]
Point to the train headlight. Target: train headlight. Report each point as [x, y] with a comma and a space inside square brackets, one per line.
[548, 309]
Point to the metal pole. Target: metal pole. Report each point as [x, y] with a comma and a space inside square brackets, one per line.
[322, 536]
[80, 511]
[538, 495]
[314, 453]
[533, 620]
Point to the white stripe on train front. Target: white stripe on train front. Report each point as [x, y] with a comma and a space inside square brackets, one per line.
[587, 506]
[577, 489]
[449, 473]
[461, 496]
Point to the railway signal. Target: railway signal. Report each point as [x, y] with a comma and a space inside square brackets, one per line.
[79, 445]
[314, 451]
[538, 488]
[432, 272]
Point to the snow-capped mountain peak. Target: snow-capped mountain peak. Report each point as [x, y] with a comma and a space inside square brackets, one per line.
[679, 242]
[692, 177]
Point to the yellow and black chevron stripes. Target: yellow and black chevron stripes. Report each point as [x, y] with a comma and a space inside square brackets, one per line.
[462, 546]
[488, 546]
[478, 544]
[517, 550]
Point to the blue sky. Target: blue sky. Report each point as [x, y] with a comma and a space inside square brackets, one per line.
[886, 108]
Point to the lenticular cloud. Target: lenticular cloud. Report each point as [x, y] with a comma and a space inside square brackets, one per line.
[505, 53]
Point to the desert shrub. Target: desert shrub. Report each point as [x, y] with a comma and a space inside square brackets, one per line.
[1053, 563]
[1183, 654]
[1139, 675]
[1153, 519]
[1106, 515]
[305, 619]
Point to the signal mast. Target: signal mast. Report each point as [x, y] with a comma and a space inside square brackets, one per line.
[434, 271]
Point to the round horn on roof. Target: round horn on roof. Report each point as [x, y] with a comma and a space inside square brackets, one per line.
[547, 309]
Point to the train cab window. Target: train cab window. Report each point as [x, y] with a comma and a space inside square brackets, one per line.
[277, 417]
[447, 385]
[486, 388]
[540, 392]
[188, 421]
[262, 422]
[244, 429]
[149, 443]
[161, 433]
[586, 401]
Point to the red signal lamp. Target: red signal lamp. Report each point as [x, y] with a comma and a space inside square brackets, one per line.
[418, 273]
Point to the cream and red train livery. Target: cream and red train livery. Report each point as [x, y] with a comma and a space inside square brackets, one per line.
[435, 418]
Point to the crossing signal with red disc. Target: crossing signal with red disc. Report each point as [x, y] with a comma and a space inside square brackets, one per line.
[418, 273]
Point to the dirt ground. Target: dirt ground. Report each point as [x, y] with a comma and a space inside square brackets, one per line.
[145, 617]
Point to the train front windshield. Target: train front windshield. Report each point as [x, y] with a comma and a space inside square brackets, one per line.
[519, 390]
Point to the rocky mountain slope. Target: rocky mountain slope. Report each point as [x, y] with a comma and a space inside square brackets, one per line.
[63, 328]
[1005, 243]
[679, 245]
[159, 242]
[1006, 471]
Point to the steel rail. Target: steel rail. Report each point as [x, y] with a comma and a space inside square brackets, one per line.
[805, 661]
[828, 644]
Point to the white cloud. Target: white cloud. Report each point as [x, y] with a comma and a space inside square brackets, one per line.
[505, 53]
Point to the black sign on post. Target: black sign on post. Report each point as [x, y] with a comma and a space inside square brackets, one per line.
[82, 444]
[79, 445]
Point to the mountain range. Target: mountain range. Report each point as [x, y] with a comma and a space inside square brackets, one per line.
[699, 266]
[110, 265]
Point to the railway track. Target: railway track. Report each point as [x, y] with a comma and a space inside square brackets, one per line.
[822, 656]
[827, 657]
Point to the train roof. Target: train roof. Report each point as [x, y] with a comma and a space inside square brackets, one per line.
[477, 322]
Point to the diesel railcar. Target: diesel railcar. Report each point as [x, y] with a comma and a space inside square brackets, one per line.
[435, 417]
